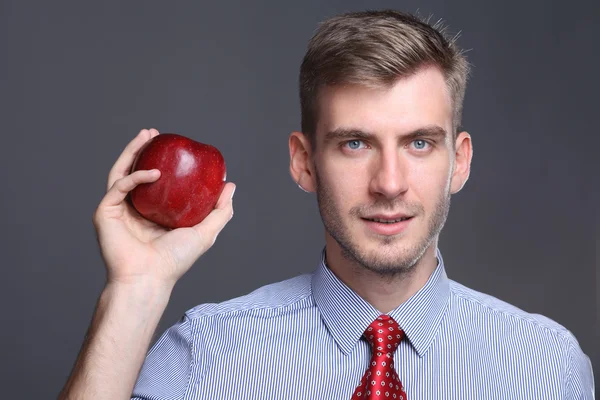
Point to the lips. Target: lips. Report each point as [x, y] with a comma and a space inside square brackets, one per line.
[387, 226]
[388, 220]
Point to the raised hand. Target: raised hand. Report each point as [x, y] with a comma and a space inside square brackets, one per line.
[136, 250]
[143, 260]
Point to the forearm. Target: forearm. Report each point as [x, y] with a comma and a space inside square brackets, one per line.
[115, 347]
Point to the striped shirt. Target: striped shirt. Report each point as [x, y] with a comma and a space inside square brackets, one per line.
[302, 339]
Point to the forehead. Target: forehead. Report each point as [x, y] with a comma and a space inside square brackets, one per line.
[410, 103]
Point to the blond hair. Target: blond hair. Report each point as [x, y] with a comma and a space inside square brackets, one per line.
[374, 49]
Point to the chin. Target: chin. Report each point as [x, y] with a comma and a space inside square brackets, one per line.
[390, 257]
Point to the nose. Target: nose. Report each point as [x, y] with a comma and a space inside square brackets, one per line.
[389, 175]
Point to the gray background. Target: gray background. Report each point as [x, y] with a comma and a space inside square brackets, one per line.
[79, 81]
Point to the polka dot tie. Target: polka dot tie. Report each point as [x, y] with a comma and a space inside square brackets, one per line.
[381, 380]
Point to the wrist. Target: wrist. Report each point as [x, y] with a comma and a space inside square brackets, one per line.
[141, 293]
[140, 282]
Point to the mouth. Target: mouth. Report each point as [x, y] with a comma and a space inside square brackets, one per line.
[388, 226]
[387, 221]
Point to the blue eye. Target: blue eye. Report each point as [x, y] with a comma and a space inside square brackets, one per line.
[420, 144]
[354, 144]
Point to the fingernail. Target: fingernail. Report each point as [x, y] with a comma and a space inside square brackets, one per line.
[233, 192]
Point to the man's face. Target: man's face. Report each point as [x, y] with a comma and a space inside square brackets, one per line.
[385, 154]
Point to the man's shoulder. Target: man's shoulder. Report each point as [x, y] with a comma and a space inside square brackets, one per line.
[519, 340]
[269, 300]
[493, 313]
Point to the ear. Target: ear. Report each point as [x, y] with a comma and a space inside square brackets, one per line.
[462, 162]
[301, 168]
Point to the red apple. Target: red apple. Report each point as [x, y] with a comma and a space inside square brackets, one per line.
[192, 179]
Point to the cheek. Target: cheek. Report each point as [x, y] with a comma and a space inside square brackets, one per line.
[429, 180]
[344, 183]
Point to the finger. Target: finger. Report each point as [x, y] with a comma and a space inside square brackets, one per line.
[121, 187]
[212, 225]
[226, 195]
[122, 166]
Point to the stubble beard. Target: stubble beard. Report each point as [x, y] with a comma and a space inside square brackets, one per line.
[384, 261]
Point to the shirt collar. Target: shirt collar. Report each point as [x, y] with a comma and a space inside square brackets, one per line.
[347, 315]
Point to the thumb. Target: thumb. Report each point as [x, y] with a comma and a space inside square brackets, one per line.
[214, 223]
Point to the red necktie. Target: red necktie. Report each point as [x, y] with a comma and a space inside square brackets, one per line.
[381, 381]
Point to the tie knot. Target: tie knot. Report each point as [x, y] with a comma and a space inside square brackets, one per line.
[384, 334]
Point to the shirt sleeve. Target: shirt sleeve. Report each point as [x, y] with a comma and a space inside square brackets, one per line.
[580, 377]
[166, 372]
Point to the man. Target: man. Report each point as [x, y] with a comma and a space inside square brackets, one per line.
[381, 97]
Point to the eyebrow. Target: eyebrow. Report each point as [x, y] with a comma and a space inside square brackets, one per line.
[432, 131]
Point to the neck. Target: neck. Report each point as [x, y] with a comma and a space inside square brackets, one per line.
[382, 292]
